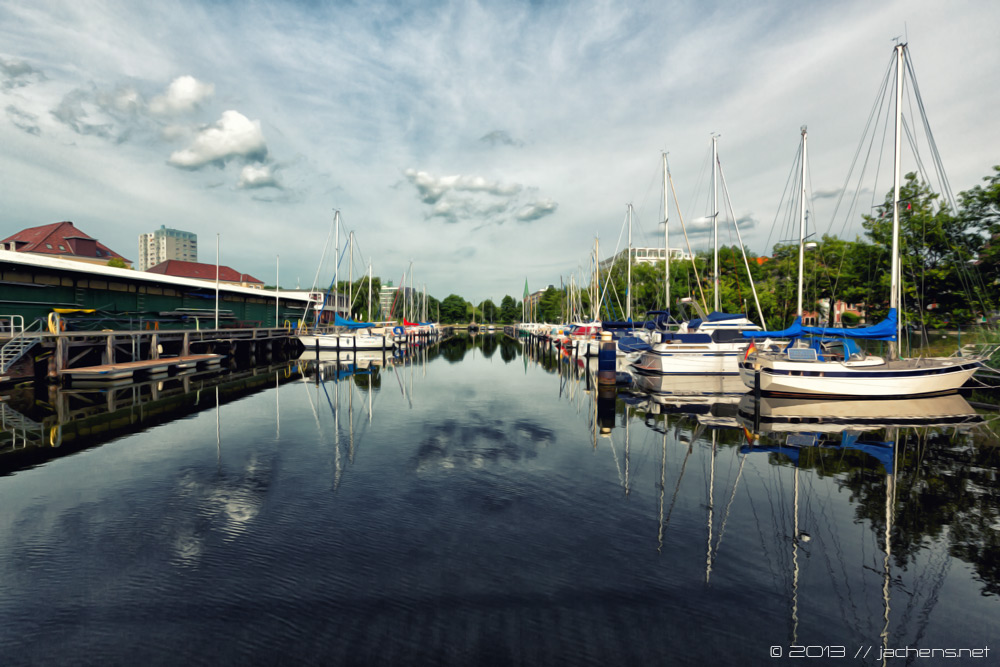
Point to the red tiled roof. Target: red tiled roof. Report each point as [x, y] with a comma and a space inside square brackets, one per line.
[47, 240]
[182, 269]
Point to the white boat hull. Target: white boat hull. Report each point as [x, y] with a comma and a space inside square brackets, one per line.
[346, 342]
[911, 377]
[711, 359]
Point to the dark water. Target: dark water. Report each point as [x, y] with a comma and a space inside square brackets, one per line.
[475, 506]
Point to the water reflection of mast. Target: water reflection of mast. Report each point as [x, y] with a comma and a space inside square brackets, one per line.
[338, 468]
[350, 408]
[890, 503]
[711, 486]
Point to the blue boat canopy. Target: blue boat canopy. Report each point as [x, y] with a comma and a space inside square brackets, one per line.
[884, 330]
[350, 324]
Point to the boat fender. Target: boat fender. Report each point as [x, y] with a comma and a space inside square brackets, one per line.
[55, 436]
[399, 331]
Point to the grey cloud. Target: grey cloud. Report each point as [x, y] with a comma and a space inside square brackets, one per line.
[17, 73]
[827, 194]
[23, 120]
[700, 226]
[72, 113]
[432, 188]
[500, 137]
[536, 210]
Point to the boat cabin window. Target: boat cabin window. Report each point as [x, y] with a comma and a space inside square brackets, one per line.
[727, 336]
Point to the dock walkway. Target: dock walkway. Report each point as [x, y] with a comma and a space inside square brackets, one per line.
[151, 367]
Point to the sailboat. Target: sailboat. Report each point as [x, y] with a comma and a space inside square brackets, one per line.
[824, 361]
[710, 344]
[348, 335]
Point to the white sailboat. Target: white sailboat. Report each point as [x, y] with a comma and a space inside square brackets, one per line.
[348, 335]
[828, 362]
[710, 344]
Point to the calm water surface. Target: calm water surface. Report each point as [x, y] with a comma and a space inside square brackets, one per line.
[475, 506]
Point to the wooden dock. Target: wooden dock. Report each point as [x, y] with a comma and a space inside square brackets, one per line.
[147, 367]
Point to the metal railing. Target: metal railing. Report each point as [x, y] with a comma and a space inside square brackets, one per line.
[20, 342]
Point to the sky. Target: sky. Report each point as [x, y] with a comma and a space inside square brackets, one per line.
[484, 144]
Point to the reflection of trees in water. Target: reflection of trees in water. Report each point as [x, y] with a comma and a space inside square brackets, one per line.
[488, 345]
[453, 350]
[373, 378]
[509, 349]
[945, 492]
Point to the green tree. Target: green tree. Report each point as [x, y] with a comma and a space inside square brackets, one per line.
[550, 306]
[453, 309]
[118, 263]
[935, 251]
[490, 311]
[980, 212]
[510, 310]
[359, 304]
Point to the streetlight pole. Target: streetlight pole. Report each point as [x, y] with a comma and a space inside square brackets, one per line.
[217, 280]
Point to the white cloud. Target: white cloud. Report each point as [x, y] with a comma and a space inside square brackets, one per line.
[183, 94]
[233, 136]
[254, 176]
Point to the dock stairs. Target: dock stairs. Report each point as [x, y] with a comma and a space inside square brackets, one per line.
[17, 430]
[21, 341]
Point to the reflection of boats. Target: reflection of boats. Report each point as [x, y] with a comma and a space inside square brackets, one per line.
[773, 413]
[712, 400]
[692, 385]
[362, 359]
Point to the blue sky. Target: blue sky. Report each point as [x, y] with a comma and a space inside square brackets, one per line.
[485, 142]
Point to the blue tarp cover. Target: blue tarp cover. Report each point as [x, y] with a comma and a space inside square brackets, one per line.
[884, 330]
[350, 324]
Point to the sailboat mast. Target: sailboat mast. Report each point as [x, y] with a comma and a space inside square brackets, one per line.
[628, 286]
[370, 289]
[715, 221]
[666, 238]
[597, 286]
[894, 279]
[350, 278]
[336, 269]
[802, 224]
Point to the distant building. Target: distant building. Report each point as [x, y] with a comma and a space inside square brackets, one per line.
[389, 296]
[646, 256]
[531, 303]
[164, 244]
[181, 269]
[62, 240]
